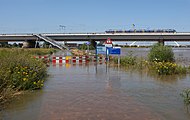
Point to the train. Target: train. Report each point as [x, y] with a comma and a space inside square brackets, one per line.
[142, 31]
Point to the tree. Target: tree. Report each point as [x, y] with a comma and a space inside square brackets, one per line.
[93, 43]
[161, 53]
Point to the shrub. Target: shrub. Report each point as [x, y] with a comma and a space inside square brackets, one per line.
[160, 53]
[186, 96]
[19, 71]
[127, 60]
[22, 71]
[168, 68]
[85, 47]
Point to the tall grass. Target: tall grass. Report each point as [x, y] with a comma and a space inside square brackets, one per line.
[128, 60]
[20, 71]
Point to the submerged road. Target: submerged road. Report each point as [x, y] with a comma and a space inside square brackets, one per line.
[90, 92]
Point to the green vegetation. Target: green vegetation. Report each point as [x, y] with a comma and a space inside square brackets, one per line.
[160, 53]
[20, 71]
[186, 96]
[127, 60]
[92, 45]
[168, 68]
[160, 60]
[39, 51]
[85, 47]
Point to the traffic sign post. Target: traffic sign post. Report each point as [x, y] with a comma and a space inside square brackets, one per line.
[115, 51]
[108, 42]
[88, 44]
[108, 49]
[100, 49]
[108, 45]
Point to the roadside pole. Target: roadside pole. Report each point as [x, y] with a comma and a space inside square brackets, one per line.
[108, 44]
[96, 55]
[116, 51]
[107, 55]
[88, 44]
[118, 62]
[88, 49]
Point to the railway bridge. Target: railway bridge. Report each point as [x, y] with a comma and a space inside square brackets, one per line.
[53, 38]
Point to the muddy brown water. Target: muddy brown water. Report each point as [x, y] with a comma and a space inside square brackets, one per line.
[101, 92]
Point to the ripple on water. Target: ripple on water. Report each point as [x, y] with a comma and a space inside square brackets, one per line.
[99, 93]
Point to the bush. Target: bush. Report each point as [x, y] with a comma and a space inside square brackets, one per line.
[85, 47]
[168, 68]
[19, 71]
[22, 72]
[127, 60]
[160, 53]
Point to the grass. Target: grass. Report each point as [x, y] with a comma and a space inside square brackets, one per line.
[19, 71]
[36, 51]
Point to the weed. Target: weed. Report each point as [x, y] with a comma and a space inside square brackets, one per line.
[186, 96]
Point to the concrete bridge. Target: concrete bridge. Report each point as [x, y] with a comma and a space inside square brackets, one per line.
[52, 37]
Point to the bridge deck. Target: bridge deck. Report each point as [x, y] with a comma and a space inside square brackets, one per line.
[178, 36]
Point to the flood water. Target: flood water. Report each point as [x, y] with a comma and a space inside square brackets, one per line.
[101, 92]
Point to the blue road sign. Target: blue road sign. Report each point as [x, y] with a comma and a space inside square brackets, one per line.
[88, 43]
[114, 51]
[100, 49]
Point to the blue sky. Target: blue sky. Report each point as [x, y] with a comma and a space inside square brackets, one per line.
[39, 16]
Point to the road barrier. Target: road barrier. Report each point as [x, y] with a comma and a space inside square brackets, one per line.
[58, 59]
[80, 59]
[73, 59]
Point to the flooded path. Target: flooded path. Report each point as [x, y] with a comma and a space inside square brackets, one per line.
[100, 92]
[89, 92]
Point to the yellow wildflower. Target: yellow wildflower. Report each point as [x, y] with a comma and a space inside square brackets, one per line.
[24, 79]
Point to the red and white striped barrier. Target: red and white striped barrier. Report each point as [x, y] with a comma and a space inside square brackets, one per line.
[59, 60]
[73, 60]
[80, 59]
[98, 59]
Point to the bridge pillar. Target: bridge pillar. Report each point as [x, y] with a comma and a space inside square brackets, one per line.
[65, 43]
[161, 41]
[4, 44]
[29, 44]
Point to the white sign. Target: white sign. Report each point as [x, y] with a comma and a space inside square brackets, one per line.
[108, 45]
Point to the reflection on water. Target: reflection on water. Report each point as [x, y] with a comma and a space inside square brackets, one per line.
[18, 109]
[80, 92]
[182, 55]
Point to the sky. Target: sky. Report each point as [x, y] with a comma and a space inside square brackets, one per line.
[54, 16]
